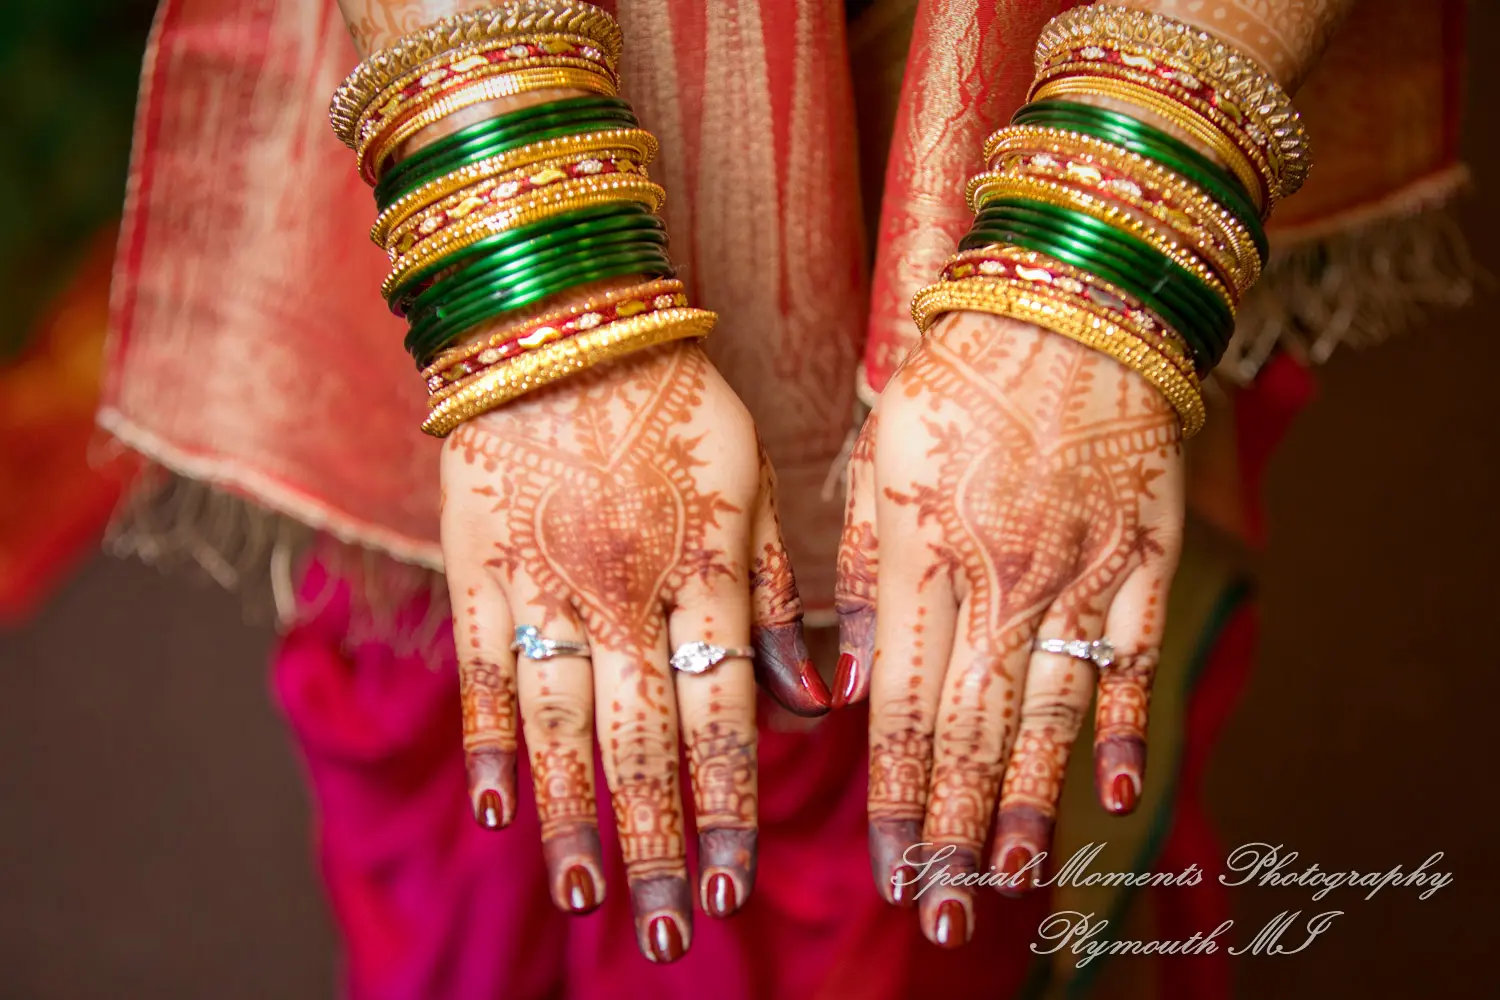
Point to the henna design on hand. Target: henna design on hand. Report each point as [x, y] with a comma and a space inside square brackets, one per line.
[858, 566]
[782, 664]
[721, 762]
[1045, 483]
[602, 508]
[487, 696]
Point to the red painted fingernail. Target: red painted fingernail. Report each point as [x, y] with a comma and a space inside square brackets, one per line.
[490, 809]
[1122, 792]
[1016, 860]
[580, 889]
[951, 928]
[904, 885]
[813, 684]
[845, 680]
[721, 896]
[665, 940]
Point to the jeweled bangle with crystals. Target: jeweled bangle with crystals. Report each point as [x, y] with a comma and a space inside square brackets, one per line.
[511, 19]
[1228, 69]
[1205, 125]
[1073, 316]
[374, 156]
[448, 374]
[557, 361]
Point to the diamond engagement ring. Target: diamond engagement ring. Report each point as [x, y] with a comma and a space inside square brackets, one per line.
[701, 657]
[1101, 651]
[530, 644]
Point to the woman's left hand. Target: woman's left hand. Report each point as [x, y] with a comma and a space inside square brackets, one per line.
[1012, 486]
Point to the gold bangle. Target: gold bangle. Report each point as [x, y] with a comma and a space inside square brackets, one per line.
[495, 192]
[1195, 218]
[1070, 317]
[568, 196]
[637, 142]
[469, 373]
[1033, 268]
[1107, 212]
[558, 360]
[1230, 70]
[384, 115]
[507, 85]
[441, 368]
[1227, 119]
[1256, 181]
[504, 20]
[474, 62]
[1021, 140]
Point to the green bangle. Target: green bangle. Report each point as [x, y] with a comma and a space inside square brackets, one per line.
[1156, 291]
[1155, 266]
[1154, 144]
[497, 134]
[558, 246]
[587, 221]
[1030, 240]
[1104, 235]
[425, 340]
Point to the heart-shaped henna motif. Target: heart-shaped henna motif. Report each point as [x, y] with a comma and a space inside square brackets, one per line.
[616, 549]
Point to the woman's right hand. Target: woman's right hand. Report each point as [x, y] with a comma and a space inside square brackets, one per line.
[629, 508]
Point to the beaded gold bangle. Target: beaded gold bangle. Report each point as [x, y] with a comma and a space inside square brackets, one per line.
[985, 187]
[389, 113]
[1191, 215]
[1071, 316]
[1203, 56]
[636, 144]
[457, 356]
[373, 155]
[1064, 155]
[558, 360]
[533, 335]
[495, 192]
[565, 196]
[1254, 176]
[1226, 118]
[1031, 267]
[502, 21]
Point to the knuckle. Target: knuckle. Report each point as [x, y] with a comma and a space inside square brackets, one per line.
[560, 716]
[1049, 711]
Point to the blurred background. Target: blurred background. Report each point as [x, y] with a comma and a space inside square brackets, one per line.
[154, 832]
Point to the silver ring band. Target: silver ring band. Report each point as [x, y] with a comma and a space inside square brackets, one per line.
[701, 657]
[530, 644]
[1101, 651]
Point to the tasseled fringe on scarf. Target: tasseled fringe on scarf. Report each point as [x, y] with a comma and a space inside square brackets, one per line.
[195, 528]
[1354, 288]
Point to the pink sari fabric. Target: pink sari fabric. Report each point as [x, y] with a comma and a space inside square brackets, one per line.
[431, 906]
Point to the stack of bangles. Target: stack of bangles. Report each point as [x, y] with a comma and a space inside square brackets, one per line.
[1117, 234]
[487, 222]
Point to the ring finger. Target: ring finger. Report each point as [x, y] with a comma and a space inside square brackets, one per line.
[557, 715]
